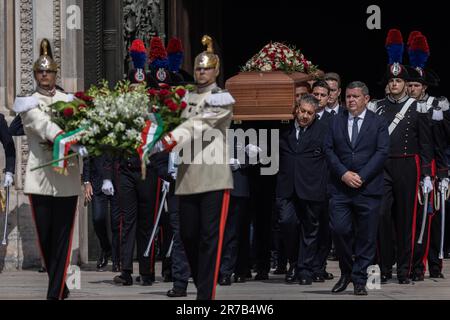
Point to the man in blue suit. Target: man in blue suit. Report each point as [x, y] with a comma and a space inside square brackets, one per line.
[357, 147]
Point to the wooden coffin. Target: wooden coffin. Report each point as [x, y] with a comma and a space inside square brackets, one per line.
[265, 95]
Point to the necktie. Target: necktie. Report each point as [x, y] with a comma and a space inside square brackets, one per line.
[333, 113]
[355, 131]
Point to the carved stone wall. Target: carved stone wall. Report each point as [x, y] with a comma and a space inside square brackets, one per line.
[57, 36]
[142, 19]
[26, 47]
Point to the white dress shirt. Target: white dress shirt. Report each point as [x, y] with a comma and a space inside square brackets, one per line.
[335, 109]
[360, 121]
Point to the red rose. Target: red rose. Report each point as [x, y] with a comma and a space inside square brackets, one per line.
[181, 92]
[183, 105]
[173, 106]
[153, 92]
[164, 86]
[168, 102]
[79, 95]
[68, 112]
[164, 92]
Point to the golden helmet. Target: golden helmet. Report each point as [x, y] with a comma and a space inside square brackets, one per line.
[45, 61]
[207, 59]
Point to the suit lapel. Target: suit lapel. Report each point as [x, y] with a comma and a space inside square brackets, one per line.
[292, 138]
[365, 126]
[344, 124]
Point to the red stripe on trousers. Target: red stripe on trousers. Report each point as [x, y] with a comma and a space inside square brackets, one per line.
[33, 214]
[155, 214]
[68, 253]
[430, 219]
[413, 235]
[223, 221]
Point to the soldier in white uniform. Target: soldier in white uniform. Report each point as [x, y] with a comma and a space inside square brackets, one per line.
[53, 196]
[204, 187]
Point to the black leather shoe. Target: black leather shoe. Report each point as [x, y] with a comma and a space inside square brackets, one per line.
[342, 284]
[418, 277]
[103, 259]
[261, 276]
[385, 277]
[66, 293]
[146, 280]
[305, 281]
[225, 281]
[404, 281]
[438, 275]
[42, 270]
[151, 276]
[240, 279]
[124, 279]
[328, 276]
[318, 278]
[291, 275]
[280, 270]
[115, 267]
[332, 256]
[176, 293]
[360, 290]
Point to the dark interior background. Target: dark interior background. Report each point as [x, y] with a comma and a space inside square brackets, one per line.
[332, 34]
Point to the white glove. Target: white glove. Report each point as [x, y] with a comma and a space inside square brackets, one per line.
[80, 149]
[234, 164]
[252, 150]
[9, 179]
[443, 185]
[427, 186]
[107, 187]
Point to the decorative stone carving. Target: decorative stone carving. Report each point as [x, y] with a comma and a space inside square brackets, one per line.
[57, 36]
[26, 47]
[142, 19]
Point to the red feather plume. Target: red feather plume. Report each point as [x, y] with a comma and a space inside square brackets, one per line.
[394, 37]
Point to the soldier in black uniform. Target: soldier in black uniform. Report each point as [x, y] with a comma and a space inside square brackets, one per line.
[432, 108]
[409, 162]
[236, 243]
[137, 197]
[98, 188]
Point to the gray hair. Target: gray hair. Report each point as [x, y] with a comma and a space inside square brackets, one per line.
[310, 99]
[360, 85]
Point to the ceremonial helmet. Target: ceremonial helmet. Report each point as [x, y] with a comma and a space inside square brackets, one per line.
[45, 61]
[419, 52]
[395, 48]
[138, 54]
[158, 61]
[207, 59]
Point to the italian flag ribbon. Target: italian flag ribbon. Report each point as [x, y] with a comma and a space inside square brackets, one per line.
[61, 148]
[151, 133]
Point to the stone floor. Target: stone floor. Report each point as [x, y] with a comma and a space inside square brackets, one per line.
[31, 285]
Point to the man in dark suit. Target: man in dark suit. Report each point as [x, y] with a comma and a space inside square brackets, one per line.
[357, 147]
[302, 186]
[321, 91]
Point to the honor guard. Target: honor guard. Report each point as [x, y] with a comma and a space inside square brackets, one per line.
[431, 108]
[53, 197]
[408, 166]
[137, 197]
[203, 183]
